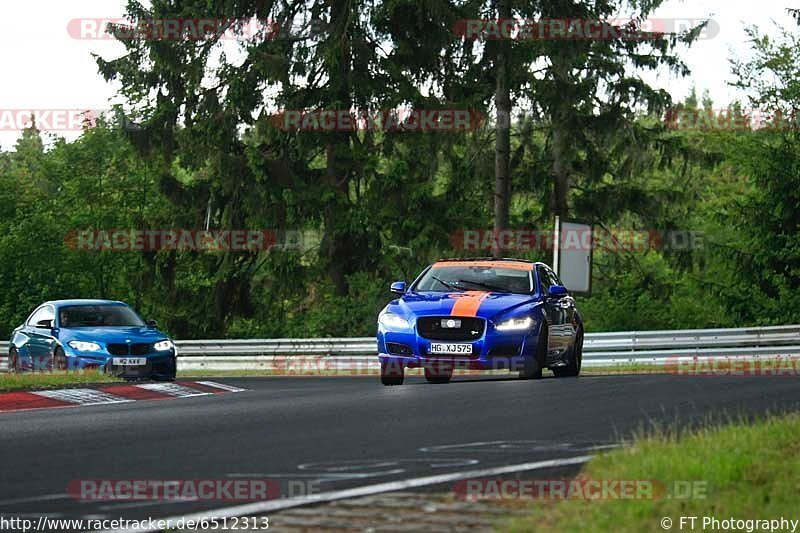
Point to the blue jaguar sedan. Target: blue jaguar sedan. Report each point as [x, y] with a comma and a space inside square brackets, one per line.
[104, 334]
[483, 314]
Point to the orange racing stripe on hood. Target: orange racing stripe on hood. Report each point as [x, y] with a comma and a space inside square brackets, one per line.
[467, 303]
[514, 265]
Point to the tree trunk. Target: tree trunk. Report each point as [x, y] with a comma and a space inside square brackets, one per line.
[502, 101]
[559, 148]
[560, 173]
[337, 250]
[334, 248]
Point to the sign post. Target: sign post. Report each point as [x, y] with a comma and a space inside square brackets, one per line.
[572, 255]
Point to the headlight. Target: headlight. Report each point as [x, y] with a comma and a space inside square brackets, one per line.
[163, 346]
[515, 324]
[393, 321]
[83, 346]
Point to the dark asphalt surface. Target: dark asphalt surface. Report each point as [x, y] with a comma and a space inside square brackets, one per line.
[346, 432]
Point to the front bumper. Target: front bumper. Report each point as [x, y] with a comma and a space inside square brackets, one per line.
[492, 351]
[162, 365]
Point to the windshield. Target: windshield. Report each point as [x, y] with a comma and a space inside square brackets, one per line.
[459, 278]
[98, 316]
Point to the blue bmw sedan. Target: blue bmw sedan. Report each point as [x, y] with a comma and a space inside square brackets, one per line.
[483, 315]
[104, 334]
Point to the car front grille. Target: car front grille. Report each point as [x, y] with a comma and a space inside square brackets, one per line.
[140, 349]
[431, 327]
[118, 349]
[129, 349]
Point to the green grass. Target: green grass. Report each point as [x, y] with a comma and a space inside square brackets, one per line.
[626, 368]
[52, 380]
[750, 471]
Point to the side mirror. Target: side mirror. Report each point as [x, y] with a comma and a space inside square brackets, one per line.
[45, 324]
[557, 290]
[151, 323]
[398, 287]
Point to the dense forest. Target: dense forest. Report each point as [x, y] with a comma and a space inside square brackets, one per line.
[567, 128]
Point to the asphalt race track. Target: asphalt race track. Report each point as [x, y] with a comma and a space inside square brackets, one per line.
[346, 432]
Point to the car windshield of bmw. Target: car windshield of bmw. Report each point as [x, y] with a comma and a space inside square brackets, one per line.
[459, 278]
[84, 316]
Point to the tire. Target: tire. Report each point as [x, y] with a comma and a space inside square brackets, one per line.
[392, 375]
[539, 359]
[59, 359]
[438, 374]
[573, 369]
[13, 361]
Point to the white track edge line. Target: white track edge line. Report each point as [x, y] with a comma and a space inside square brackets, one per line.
[367, 490]
[221, 386]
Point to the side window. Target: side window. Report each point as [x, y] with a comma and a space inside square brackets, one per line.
[553, 278]
[544, 280]
[45, 313]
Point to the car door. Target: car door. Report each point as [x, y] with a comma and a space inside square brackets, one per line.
[551, 313]
[41, 340]
[566, 309]
[556, 308]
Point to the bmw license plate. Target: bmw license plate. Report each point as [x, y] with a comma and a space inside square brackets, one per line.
[438, 348]
[129, 361]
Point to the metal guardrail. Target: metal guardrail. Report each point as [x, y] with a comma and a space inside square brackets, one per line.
[600, 349]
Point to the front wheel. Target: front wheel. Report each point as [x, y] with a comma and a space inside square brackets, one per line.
[535, 365]
[59, 360]
[13, 361]
[392, 374]
[573, 369]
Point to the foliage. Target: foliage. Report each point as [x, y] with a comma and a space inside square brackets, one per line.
[206, 150]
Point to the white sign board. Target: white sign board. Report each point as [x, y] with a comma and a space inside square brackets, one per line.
[575, 243]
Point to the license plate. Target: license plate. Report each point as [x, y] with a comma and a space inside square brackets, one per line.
[129, 361]
[451, 349]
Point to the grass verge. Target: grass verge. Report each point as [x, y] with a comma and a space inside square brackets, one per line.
[53, 380]
[748, 471]
[627, 368]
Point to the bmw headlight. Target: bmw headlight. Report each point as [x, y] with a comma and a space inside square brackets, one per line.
[83, 346]
[515, 324]
[392, 321]
[163, 346]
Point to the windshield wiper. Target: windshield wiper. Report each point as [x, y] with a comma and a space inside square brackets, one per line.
[484, 285]
[448, 285]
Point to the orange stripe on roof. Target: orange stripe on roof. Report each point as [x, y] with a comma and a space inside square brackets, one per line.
[500, 264]
[467, 303]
